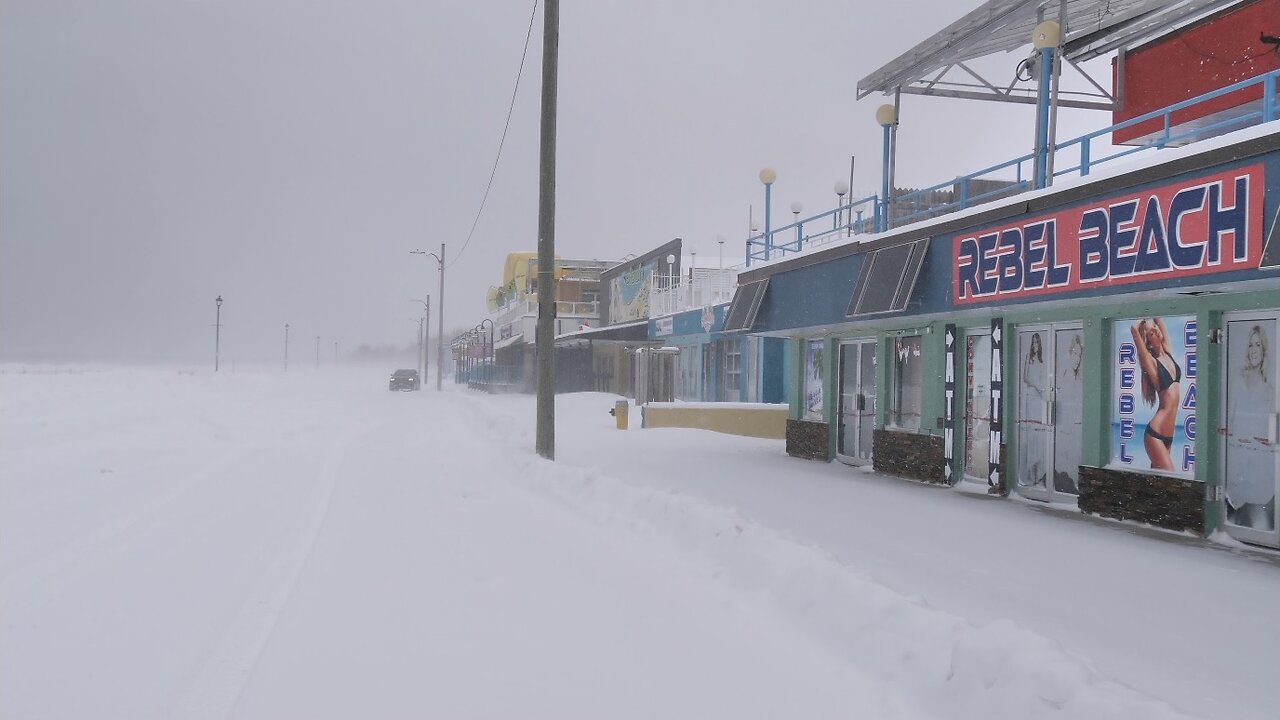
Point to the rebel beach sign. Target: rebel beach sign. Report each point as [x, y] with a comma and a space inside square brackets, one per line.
[1206, 225]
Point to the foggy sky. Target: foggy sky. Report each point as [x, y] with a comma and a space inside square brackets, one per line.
[288, 154]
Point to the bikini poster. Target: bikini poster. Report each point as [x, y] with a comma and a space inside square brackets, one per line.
[1153, 419]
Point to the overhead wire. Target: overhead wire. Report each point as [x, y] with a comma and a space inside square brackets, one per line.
[510, 110]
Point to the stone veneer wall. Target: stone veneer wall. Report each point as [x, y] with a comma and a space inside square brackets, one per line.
[807, 439]
[1154, 499]
[908, 454]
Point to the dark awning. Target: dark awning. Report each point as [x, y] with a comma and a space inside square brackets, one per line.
[887, 279]
[745, 305]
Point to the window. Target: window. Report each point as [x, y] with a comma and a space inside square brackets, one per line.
[732, 370]
[746, 303]
[904, 384]
[688, 387]
[813, 367]
[887, 279]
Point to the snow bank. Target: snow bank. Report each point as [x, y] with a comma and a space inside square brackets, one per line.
[951, 667]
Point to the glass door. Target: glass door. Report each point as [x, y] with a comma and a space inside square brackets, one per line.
[1067, 411]
[857, 415]
[1251, 463]
[977, 405]
[1050, 410]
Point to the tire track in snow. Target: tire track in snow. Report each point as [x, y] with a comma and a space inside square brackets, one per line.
[217, 688]
[31, 575]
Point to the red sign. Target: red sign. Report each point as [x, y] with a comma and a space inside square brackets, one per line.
[1212, 224]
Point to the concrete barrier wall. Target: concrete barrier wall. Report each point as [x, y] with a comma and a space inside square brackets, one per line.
[763, 420]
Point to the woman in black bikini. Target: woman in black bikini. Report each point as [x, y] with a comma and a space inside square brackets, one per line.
[1161, 386]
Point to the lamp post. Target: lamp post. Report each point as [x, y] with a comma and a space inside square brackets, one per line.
[887, 117]
[720, 241]
[1045, 39]
[768, 177]
[841, 187]
[286, 347]
[425, 340]
[488, 368]
[796, 207]
[218, 329]
[317, 352]
[439, 302]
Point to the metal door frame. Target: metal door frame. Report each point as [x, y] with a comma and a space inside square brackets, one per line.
[1261, 537]
[873, 343]
[968, 332]
[1049, 349]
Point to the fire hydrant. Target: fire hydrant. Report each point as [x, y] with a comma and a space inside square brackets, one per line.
[619, 413]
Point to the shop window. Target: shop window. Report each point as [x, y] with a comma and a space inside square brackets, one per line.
[813, 367]
[904, 384]
[732, 370]
[688, 387]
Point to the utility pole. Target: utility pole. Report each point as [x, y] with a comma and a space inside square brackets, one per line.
[217, 332]
[426, 339]
[286, 347]
[440, 357]
[317, 352]
[440, 327]
[335, 352]
[546, 425]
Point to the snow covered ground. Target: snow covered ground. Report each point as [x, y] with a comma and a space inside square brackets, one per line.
[252, 545]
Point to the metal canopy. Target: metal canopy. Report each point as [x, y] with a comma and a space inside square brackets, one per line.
[1091, 28]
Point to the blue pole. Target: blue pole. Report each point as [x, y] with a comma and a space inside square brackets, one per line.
[884, 184]
[768, 229]
[1042, 117]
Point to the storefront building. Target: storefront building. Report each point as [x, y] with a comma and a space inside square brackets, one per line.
[717, 366]
[1110, 344]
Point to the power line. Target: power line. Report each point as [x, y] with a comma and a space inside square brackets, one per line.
[492, 173]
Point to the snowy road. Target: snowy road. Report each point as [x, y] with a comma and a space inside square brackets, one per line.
[250, 546]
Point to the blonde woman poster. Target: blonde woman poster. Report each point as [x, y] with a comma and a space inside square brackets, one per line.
[1154, 401]
[1251, 404]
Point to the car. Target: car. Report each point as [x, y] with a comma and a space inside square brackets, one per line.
[405, 380]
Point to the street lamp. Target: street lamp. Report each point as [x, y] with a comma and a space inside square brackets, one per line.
[887, 118]
[488, 368]
[768, 177]
[720, 240]
[440, 302]
[217, 332]
[425, 333]
[286, 347]
[317, 352]
[796, 207]
[841, 187]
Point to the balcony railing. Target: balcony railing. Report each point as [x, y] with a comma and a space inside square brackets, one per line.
[669, 295]
[870, 215]
[528, 305]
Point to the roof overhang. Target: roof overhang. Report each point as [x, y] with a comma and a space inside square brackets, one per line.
[636, 331]
[1091, 28]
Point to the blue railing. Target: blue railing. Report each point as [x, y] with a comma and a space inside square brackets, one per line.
[870, 215]
[1266, 112]
[856, 218]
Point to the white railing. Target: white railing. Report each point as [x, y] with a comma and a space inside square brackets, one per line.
[669, 295]
[522, 308]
